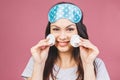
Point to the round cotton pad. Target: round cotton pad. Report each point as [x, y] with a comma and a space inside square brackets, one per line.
[51, 39]
[75, 40]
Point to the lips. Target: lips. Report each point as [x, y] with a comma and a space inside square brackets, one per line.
[62, 44]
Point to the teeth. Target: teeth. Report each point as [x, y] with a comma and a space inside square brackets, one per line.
[51, 39]
[75, 40]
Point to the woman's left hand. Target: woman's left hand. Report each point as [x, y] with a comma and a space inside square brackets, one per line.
[88, 51]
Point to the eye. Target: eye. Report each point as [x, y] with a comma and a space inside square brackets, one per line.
[55, 29]
[70, 29]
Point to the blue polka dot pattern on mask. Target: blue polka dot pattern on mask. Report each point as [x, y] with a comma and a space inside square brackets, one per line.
[68, 11]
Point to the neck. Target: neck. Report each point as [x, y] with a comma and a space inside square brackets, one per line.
[65, 60]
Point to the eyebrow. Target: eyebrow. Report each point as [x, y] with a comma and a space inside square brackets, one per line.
[66, 27]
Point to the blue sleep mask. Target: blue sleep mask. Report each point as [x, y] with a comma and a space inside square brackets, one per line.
[67, 11]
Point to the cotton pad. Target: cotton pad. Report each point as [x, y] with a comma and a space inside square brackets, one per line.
[51, 39]
[75, 40]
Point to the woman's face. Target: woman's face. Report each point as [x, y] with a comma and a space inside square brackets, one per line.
[63, 29]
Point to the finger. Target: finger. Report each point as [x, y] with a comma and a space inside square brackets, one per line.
[43, 40]
[42, 43]
[82, 39]
[86, 43]
[89, 45]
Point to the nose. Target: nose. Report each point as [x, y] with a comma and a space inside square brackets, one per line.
[62, 36]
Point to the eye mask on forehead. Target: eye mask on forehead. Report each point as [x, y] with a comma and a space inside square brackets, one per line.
[67, 11]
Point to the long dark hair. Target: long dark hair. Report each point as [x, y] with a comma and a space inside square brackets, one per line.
[53, 53]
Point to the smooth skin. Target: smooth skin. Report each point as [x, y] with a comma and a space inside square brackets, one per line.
[63, 30]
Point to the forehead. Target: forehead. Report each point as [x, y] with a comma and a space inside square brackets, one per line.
[62, 22]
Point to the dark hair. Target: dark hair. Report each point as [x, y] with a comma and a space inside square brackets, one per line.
[53, 53]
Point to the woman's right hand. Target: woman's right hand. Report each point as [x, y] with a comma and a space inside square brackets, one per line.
[40, 51]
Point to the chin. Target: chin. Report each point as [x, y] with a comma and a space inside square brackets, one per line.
[64, 49]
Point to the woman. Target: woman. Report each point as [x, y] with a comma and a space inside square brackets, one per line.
[62, 61]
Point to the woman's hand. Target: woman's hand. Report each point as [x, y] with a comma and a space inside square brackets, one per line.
[88, 51]
[40, 51]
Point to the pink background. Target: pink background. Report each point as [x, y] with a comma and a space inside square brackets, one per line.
[23, 22]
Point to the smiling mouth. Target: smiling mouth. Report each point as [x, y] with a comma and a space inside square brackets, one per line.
[62, 44]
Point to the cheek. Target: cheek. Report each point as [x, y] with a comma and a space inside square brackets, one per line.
[55, 34]
[71, 34]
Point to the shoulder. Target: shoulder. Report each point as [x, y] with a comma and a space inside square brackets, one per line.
[28, 69]
[102, 73]
[99, 64]
[31, 59]
[99, 61]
